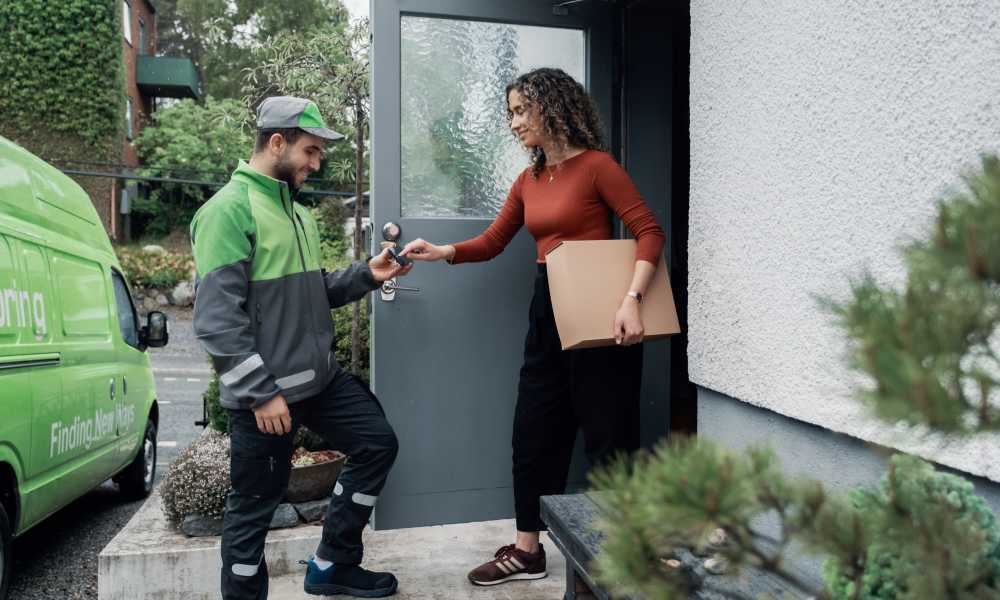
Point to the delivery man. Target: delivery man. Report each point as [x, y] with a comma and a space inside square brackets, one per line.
[262, 312]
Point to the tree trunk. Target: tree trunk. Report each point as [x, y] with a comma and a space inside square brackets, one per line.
[359, 157]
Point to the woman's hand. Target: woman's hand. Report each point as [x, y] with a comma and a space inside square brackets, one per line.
[419, 249]
[628, 324]
[384, 268]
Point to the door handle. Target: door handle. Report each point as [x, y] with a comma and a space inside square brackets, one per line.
[112, 389]
[124, 387]
[390, 287]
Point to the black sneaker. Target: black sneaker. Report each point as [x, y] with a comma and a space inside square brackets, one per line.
[350, 580]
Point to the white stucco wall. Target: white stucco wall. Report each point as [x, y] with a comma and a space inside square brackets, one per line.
[822, 133]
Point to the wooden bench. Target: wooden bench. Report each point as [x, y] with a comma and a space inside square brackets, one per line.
[570, 520]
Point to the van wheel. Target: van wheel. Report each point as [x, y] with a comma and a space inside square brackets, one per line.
[6, 552]
[136, 481]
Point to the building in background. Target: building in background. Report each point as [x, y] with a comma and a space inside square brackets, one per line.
[83, 79]
[148, 77]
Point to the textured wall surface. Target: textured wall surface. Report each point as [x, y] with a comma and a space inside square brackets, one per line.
[821, 136]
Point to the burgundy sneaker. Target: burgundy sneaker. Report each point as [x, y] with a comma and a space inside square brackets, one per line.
[510, 564]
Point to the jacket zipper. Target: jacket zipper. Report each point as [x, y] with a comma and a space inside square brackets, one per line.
[298, 242]
[290, 212]
[303, 227]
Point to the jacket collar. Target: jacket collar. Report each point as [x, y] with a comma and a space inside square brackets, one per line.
[274, 188]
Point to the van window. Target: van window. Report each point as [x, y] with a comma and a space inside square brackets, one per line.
[41, 293]
[83, 296]
[127, 320]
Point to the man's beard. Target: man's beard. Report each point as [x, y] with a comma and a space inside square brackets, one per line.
[285, 171]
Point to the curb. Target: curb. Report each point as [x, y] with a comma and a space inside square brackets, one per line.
[148, 559]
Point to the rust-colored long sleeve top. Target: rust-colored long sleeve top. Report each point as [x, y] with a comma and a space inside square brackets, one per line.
[573, 205]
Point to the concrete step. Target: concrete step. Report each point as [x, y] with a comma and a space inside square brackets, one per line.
[148, 559]
[431, 563]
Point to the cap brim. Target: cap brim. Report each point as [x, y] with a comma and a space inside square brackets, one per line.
[323, 132]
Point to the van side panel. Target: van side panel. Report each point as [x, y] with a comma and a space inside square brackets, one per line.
[76, 433]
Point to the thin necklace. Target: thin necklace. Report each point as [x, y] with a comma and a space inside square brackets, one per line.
[551, 171]
[553, 168]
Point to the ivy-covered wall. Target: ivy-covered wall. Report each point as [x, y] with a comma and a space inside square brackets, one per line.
[62, 94]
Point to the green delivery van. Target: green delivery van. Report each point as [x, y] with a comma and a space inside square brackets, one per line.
[77, 397]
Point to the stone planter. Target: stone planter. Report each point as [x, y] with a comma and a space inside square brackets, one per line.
[314, 482]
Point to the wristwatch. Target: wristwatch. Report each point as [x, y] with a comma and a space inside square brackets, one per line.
[636, 295]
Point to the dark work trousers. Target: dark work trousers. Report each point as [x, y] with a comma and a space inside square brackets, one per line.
[595, 390]
[350, 418]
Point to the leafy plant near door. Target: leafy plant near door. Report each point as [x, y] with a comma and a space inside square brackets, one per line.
[930, 351]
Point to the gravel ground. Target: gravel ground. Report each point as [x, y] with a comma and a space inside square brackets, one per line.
[58, 558]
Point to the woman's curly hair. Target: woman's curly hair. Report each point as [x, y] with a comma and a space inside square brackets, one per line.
[566, 111]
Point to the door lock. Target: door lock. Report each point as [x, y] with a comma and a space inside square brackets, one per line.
[390, 287]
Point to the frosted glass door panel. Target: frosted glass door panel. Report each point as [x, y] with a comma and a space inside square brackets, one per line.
[459, 157]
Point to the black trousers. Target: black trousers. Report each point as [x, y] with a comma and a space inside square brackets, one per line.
[595, 390]
[350, 418]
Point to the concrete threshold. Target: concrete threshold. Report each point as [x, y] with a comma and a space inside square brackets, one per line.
[149, 560]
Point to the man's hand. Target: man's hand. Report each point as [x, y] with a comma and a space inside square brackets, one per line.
[384, 268]
[273, 416]
[628, 324]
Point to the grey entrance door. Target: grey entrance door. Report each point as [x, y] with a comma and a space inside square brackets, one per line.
[445, 359]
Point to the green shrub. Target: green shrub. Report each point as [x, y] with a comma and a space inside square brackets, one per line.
[197, 482]
[200, 141]
[149, 270]
[914, 500]
[218, 418]
[62, 67]
[342, 349]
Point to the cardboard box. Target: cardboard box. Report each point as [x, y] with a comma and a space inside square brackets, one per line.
[588, 281]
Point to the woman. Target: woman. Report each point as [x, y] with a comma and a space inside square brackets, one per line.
[565, 194]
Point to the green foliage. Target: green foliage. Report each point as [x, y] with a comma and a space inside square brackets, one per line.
[218, 418]
[937, 538]
[151, 270]
[928, 347]
[342, 350]
[328, 65]
[190, 141]
[333, 259]
[330, 215]
[61, 63]
[219, 35]
[921, 535]
[676, 497]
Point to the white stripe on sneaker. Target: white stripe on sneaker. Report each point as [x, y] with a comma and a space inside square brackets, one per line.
[503, 568]
[516, 562]
[514, 577]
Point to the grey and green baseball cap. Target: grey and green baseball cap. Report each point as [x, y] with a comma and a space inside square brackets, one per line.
[287, 112]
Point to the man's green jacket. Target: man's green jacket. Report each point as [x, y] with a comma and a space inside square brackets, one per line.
[262, 304]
